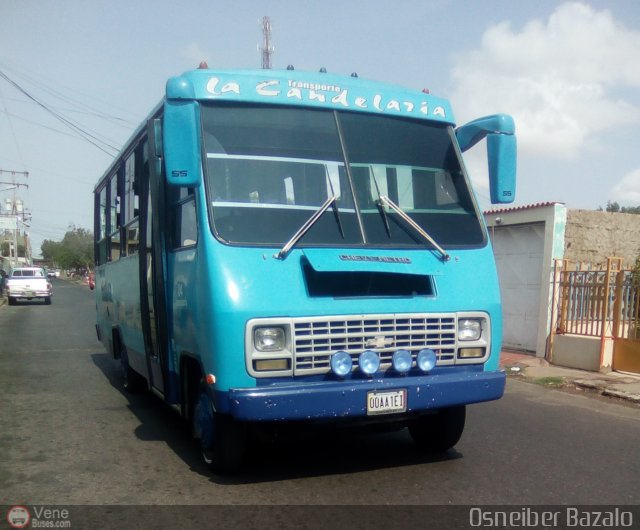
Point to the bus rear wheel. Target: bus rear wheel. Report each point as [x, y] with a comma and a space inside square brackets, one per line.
[439, 432]
[222, 440]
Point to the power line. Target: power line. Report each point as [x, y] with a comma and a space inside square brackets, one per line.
[46, 87]
[86, 135]
[115, 120]
[13, 133]
[37, 124]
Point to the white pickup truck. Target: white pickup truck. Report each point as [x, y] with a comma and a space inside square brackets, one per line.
[28, 283]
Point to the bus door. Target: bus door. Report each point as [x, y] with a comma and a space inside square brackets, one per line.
[152, 292]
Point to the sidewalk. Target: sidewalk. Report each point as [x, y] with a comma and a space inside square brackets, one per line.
[537, 370]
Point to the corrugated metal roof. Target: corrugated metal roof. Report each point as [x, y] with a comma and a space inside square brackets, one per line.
[522, 207]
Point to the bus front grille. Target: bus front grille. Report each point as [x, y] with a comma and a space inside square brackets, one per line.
[316, 339]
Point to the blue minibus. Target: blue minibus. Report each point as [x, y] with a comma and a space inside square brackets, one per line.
[277, 248]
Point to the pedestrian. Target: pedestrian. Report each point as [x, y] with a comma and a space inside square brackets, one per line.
[3, 279]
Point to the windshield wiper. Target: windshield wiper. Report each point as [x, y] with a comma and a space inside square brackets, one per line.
[380, 205]
[305, 227]
[335, 201]
[386, 200]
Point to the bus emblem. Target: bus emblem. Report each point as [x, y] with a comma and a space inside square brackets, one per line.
[379, 342]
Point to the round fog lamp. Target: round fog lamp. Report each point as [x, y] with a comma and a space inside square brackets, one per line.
[369, 362]
[341, 363]
[426, 360]
[401, 361]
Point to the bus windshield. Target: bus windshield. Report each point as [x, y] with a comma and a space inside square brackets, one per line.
[269, 169]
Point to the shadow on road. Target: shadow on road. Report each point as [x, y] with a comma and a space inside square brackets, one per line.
[302, 453]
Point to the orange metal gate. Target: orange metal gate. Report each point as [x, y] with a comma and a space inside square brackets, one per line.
[626, 323]
[602, 303]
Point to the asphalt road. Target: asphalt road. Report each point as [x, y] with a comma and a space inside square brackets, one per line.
[70, 435]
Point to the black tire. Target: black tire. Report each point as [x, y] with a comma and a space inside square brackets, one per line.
[132, 381]
[221, 439]
[12, 300]
[47, 300]
[439, 432]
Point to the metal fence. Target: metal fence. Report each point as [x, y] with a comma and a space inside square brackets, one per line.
[598, 303]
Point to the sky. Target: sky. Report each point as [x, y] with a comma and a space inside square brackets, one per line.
[77, 77]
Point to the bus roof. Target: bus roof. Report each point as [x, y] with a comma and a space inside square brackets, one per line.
[309, 89]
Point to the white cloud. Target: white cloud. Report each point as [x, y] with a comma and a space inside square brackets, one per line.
[558, 78]
[627, 191]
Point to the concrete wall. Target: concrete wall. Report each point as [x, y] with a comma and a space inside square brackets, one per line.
[592, 236]
[583, 353]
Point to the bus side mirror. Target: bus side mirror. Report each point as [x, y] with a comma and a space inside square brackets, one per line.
[501, 152]
[181, 144]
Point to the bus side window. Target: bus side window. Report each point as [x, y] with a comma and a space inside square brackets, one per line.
[101, 226]
[136, 169]
[185, 229]
[114, 217]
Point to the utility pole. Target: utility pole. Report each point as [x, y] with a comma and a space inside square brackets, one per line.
[15, 207]
[267, 49]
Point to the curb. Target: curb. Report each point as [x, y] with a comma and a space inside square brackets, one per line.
[601, 386]
[635, 398]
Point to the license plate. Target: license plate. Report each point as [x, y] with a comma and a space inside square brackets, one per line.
[386, 402]
[29, 294]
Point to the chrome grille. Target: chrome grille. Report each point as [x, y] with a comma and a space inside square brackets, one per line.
[315, 340]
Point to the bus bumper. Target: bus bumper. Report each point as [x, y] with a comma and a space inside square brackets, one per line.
[348, 399]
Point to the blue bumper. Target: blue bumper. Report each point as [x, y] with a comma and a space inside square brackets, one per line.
[348, 399]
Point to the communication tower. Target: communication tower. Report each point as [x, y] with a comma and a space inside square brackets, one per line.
[267, 48]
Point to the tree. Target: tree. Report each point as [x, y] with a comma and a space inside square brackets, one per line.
[634, 331]
[5, 249]
[49, 250]
[75, 251]
[616, 208]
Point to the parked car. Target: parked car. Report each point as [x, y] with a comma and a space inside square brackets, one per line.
[28, 283]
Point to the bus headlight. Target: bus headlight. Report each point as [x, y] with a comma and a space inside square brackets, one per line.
[269, 339]
[469, 329]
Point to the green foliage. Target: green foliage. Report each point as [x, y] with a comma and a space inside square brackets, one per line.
[75, 251]
[635, 274]
[616, 208]
[634, 331]
[5, 249]
[550, 381]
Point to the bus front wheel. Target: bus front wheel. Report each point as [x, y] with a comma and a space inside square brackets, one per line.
[222, 440]
[440, 431]
[132, 381]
